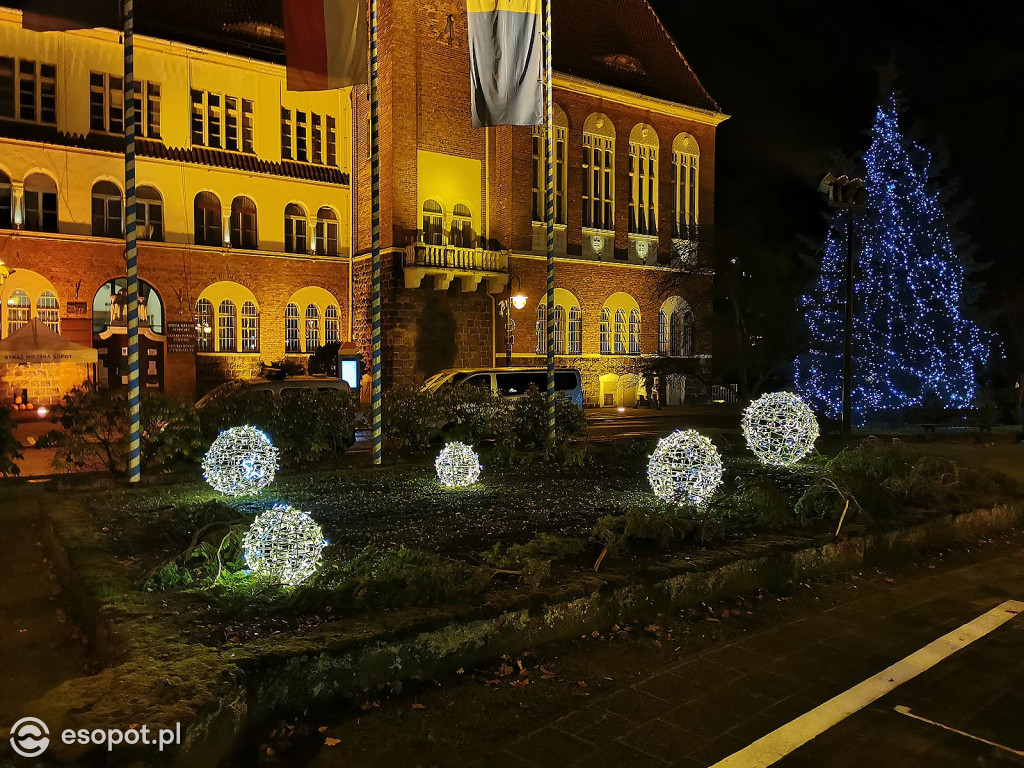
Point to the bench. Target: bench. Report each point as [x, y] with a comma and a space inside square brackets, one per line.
[931, 419]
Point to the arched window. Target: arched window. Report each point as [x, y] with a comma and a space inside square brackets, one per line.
[606, 336]
[149, 212]
[6, 202]
[643, 176]
[243, 224]
[204, 325]
[227, 327]
[19, 309]
[676, 334]
[688, 334]
[560, 330]
[685, 179]
[294, 229]
[312, 328]
[107, 210]
[208, 220]
[41, 203]
[620, 331]
[542, 328]
[634, 332]
[292, 343]
[540, 168]
[663, 348]
[250, 327]
[433, 223]
[599, 173]
[48, 310]
[332, 325]
[327, 231]
[575, 331]
[462, 227]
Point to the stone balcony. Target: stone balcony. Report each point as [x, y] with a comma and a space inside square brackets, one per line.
[444, 263]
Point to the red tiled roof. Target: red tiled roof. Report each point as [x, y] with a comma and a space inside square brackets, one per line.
[621, 43]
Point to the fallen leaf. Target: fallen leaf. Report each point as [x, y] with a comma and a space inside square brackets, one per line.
[330, 742]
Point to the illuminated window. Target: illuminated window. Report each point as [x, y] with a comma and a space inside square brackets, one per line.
[685, 178]
[634, 332]
[620, 331]
[332, 142]
[539, 168]
[462, 227]
[28, 90]
[226, 327]
[291, 329]
[149, 213]
[40, 204]
[575, 331]
[48, 310]
[294, 229]
[250, 327]
[606, 336]
[19, 308]
[643, 176]
[243, 224]
[332, 325]
[327, 231]
[107, 210]
[312, 328]
[559, 330]
[207, 219]
[301, 139]
[106, 102]
[433, 223]
[318, 139]
[599, 173]
[204, 325]
[663, 348]
[286, 134]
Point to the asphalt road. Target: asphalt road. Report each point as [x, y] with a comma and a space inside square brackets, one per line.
[917, 666]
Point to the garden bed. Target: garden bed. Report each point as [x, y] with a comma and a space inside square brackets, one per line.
[418, 581]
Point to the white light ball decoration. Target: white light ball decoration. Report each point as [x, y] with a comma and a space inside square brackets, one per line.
[780, 428]
[241, 462]
[283, 545]
[457, 465]
[685, 468]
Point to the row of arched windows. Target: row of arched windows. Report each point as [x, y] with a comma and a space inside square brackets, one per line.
[39, 214]
[459, 230]
[226, 327]
[19, 311]
[597, 171]
[620, 327]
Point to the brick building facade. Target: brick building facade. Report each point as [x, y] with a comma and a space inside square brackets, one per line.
[458, 203]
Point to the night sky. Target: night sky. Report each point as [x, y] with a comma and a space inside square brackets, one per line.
[800, 79]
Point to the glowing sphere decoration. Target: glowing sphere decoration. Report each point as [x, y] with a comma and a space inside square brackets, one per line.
[457, 466]
[241, 462]
[283, 545]
[780, 428]
[685, 468]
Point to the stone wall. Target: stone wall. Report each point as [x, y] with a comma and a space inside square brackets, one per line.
[46, 383]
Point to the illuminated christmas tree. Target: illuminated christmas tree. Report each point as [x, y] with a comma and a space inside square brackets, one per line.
[912, 344]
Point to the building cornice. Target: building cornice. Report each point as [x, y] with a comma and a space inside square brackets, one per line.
[579, 85]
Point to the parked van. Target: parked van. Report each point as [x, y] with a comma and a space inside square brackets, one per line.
[509, 382]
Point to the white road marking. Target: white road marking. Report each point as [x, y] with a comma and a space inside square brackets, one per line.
[776, 745]
[906, 711]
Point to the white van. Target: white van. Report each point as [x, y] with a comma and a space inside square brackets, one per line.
[509, 382]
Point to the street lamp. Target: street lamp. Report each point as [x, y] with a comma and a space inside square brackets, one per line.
[851, 194]
[515, 300]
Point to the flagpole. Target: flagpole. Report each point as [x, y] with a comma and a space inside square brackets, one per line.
[131, 250]
[549, 213]
[375, 255]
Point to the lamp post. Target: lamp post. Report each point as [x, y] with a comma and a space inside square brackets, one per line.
[516, 299]
[851, 194]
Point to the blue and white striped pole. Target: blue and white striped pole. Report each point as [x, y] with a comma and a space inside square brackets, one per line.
[375, 254]
[131, 250]
[549, 213]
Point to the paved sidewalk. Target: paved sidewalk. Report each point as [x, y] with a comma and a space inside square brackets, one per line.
[704, 707]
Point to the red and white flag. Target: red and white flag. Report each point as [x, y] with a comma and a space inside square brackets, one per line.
[326, 44]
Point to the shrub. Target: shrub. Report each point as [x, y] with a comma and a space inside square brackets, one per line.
[521, 425]
[640, 528]
[95, 423]
[10, 448]
[413, 420]
[308, 426]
